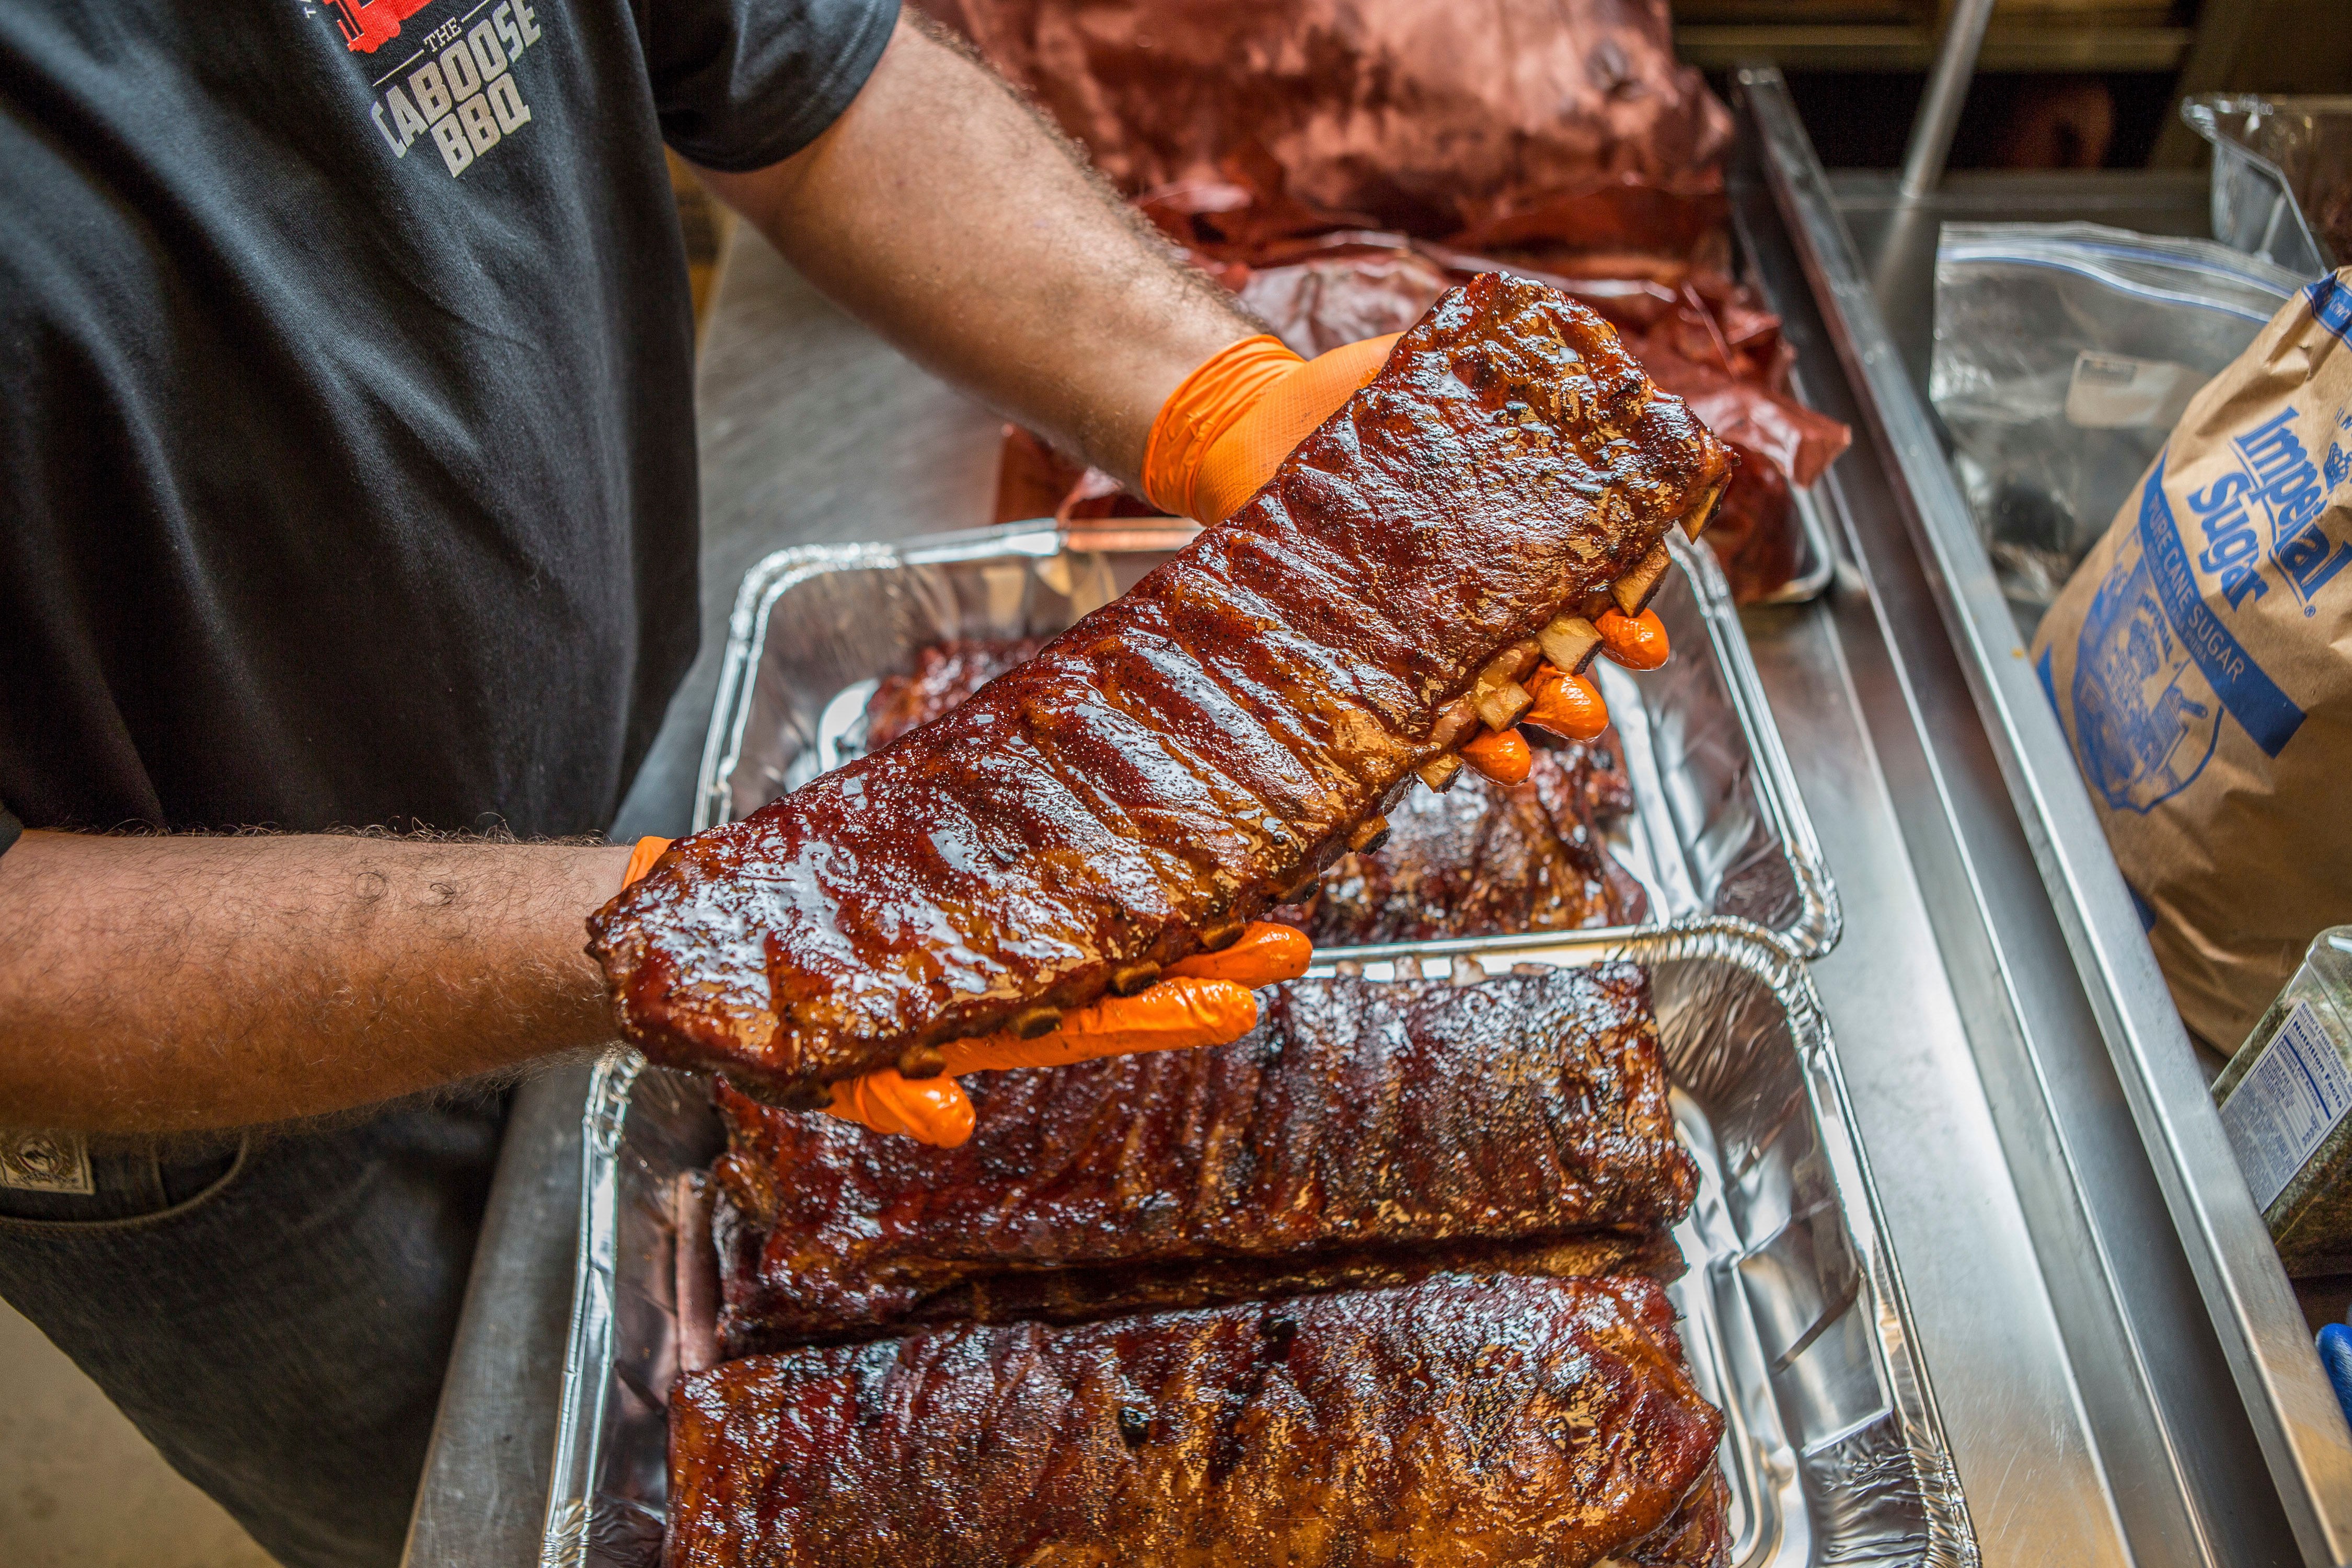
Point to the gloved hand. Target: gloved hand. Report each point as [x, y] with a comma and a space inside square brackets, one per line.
[1203, 1000]
[1227, 427]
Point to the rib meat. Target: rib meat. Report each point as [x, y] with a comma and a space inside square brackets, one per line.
[945, 674]
[1453, 1421]
[1364, 1133]
[1484, 857]
[1480, 859]
[1175, 762]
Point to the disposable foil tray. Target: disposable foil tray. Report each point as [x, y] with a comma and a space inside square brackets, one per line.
[1794, 1311]
[1816, 556]
[1719, 827]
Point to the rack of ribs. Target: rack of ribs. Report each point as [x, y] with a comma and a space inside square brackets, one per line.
[1480, 859]
[1453, 1421]
[1364, 1133]
[1196, 751]
[1483, 858]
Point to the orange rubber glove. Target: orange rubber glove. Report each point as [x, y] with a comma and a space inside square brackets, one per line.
[1223, 432]
[1227, 427]
[1566, 703]
[1203, 1000]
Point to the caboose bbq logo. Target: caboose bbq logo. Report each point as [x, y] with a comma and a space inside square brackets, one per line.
[368, 24]
[453, 85]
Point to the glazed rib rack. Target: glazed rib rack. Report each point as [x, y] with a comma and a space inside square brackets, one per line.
[1190, 754]
[1453, 1421]
[1364, 1133]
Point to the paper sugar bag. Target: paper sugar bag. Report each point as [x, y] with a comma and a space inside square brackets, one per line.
[2200, 660]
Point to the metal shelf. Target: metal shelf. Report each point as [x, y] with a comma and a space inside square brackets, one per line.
[1881, 47]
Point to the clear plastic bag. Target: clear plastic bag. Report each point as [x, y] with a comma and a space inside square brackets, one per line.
[2065, 354]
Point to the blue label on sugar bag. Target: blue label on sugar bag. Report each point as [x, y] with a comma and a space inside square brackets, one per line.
[2156, 667]
[2331, 303]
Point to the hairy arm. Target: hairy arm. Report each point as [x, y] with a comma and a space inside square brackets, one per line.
[946, 214]
[176, 984]
[173, 983]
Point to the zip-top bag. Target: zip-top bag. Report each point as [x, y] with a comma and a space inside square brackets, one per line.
[2064, 353]
[2201, 663]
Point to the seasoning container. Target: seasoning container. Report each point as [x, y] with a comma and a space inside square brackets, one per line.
[2284, 1099]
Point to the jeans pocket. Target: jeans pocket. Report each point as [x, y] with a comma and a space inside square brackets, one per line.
[130, 1190]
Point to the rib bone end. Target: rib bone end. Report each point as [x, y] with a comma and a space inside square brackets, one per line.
[1130, 978]
[1031, 1022]
[1570, 642]
[1503, 707]
[1636, 588]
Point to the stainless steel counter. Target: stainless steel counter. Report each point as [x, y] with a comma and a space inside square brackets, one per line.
[2095, 1416]
[2220, 1438]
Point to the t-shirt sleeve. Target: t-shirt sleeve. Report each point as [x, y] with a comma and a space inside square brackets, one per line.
[742, 84]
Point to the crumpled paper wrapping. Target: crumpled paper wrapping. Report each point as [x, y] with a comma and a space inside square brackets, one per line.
[1437, 117]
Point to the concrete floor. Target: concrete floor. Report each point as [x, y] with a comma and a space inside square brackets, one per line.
[80, 1488]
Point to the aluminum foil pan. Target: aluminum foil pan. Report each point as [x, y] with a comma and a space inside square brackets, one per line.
[1793, 1311]
[1718, 827]
[1816, 556]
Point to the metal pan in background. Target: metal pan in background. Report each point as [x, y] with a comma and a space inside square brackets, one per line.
[1718, 827]
[1794, 1318]
[1816, 556]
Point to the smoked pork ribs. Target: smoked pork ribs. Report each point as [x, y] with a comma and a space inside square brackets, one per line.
[1179, 760]
[1456, 1421]
[1364, 1133]
[945, 675]
[1480, 859]
[1486, 858]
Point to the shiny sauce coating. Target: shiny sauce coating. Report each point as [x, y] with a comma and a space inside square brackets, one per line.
[1180, 757]
[1365, 1133]
[1453, 1421]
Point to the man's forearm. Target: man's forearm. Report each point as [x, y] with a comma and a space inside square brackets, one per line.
[170, 984]
[943, 212]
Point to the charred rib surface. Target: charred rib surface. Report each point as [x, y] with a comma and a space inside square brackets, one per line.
[1365, 1133]
[1454, 1422]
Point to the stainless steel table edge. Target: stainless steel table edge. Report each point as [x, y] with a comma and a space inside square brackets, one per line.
[1813, 932]
[2301, 1430]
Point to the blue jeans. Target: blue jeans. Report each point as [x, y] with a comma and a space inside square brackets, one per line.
[276, 1316]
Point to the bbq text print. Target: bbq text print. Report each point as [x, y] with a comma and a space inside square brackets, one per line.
[453, 85]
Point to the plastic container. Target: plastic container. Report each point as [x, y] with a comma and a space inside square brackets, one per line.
[2282, 176]
[2064, 355]
[2286, 1104]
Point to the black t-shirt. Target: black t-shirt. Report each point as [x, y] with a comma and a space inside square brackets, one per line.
[347, 466]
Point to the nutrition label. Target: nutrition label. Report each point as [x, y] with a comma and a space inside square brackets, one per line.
[2288, 1104]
